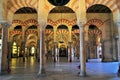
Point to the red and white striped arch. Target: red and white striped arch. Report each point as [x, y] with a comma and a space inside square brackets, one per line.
[30, 22]
[97, 32]
[31, 32]
[62, 31]
[62, 21]
[50, 32]
[96, 22]
[14, 5]
[15, 32]
[17, 22]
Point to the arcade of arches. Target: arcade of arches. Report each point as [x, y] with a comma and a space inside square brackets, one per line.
[53, 29]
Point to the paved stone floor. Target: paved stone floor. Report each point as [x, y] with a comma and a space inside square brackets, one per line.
[63, 70]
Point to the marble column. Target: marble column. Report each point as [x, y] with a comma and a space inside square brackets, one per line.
[4, 53]
[38, 50]
[82, 54]
[9, 50]
[55, 52]
[103, 49]
[70, 52]
[42, 53]
[23, 50]
[118, 45]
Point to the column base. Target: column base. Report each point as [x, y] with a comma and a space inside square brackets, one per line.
[82, 74]
[118, 72]
[42, 74]
[43, 71]
[5, 69]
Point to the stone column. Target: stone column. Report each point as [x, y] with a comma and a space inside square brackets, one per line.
[42, 52]
[118, 25]
[4, 63]
[116, 46]
[82, 54]
[23, 50]
[38, 50]
[86, 50]
[103, 48]
[69, 52]
[9, 50]
[55, 52]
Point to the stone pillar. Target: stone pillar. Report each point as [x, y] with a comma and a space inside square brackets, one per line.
[55, 52]
[103, 48]
[9, 50]
[69, 52]
[23, 50]
[42, 53]
[4, 63]
[116, 46]
[38, 50]
[118, 25]
[86, 50]
[82, 54]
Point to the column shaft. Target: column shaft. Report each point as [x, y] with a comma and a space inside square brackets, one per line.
[4, 59]
[69, 52]
[82, 54]
[42, 53]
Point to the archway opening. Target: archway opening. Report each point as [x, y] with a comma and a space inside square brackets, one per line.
[24, 32]
[95, 15]
[62, 18]
[94, 38]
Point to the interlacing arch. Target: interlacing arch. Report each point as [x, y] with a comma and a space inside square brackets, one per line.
[62, 21]
[17, 22]
[96, 22]
[63, 31]
[31, 32]
[96, 32]
[14, 24]
[65, 36]
[31, 43]
[76, 31]
[49, 32]
[26, 23]
[15, 32]
[30, 22]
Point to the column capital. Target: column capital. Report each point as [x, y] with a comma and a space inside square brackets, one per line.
[5, 24]
[69, 42]
[55, 43]
[82, 22]
[42, 24]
